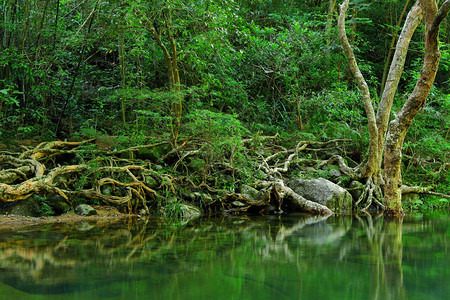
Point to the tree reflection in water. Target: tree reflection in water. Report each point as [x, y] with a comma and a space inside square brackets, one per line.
[384, 238]
[283, 256]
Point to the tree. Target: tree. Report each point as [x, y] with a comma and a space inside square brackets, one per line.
[159, 21]
[385, 136]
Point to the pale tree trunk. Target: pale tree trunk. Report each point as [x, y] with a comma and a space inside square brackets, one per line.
[372, 162]
[391, 47]
[413, 19]
[378, 126]
[399, 126]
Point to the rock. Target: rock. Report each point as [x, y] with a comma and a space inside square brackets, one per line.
[205, 198]
[335, 175]
[151, 182]
[85, 210]
[147, 154]
[29, 207]
[238, 203]
[190, 211]
[158, 167]
[324, 192]
[356, 189]
[58, 204]
[248, 191]
[256, 197]
[187, 195]
[197, 165]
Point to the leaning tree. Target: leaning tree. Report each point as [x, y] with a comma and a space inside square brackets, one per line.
[387, 137]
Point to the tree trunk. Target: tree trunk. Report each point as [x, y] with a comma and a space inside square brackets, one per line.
[391, 47]
[171, 60]
[399, 126]
[372, 163]
[413, 19]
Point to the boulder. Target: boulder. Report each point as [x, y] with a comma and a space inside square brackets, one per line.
[248, 191]
[324, 192]
[197, 165]
[254, 196]
[85, 210]
[204, 198]
[190, 211]
[29, 207]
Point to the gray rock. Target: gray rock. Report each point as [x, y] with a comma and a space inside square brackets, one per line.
[335, 175]
[187, 195]
[238, 203]
[158, 167]
[248, 191]
[205, 198]
[190, 211]
[323, 192]
[256, 197]
[85, 210]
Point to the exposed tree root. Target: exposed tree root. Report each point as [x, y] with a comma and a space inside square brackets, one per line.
[422, 190]
[89, 170]
[371, 194]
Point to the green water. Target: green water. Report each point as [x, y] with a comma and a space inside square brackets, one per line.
[283, 257]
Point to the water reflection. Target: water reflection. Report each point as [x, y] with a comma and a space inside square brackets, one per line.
[289, 257]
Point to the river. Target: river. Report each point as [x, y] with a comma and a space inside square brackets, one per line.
[293, 256]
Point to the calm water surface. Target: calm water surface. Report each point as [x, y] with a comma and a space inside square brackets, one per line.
[287, 257]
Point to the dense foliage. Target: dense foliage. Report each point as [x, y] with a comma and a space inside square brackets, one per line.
[90, 68]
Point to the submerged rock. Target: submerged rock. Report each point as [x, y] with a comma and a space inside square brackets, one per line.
[324, 192]
[85, 210]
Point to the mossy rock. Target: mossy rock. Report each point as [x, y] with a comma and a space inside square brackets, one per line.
[85, 210]
[204, 198]
[58, 204]
[190, 211]
[197, 165]
[29, 207]
[151, 182]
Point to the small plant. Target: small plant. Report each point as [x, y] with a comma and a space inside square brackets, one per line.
[44, 208]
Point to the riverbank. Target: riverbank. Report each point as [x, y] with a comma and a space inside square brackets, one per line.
[105, 214]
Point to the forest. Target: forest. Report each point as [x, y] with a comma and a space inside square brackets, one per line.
[179, 107]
